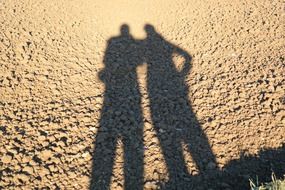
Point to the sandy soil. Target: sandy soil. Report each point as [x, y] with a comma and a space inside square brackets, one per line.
[194, 100]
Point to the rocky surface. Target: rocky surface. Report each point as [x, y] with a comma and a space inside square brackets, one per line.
[52, 99]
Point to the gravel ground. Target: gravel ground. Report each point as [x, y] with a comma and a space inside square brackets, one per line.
[153, 94]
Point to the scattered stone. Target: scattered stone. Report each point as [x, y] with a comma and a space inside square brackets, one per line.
[45, 155]
[87, 156]
[29, 170]
[24, 178]
[6, 159]
[52, 168]
[41, 138]
[150, 185]
[43, 172]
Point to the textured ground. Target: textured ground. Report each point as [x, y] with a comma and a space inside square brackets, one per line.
[58, 98]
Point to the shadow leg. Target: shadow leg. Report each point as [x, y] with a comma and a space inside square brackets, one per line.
[173, 154]
[199, 147]
[133, 158]
[103, 159]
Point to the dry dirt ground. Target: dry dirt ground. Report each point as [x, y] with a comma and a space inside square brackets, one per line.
[193, 100]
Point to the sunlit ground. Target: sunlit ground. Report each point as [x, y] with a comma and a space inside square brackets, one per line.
[51, 95]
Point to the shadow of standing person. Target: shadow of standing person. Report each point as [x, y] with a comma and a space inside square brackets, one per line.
[121, 115]
[171, 112]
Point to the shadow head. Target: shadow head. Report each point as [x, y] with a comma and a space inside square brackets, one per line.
[125, 30]
[149, 29]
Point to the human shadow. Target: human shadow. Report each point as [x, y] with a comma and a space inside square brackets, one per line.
[173, 119]
[175, 124]
[121, 115]
[172, 115]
